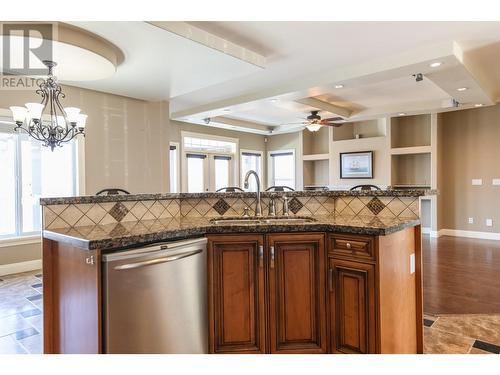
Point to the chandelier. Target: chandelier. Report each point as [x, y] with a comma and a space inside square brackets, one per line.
[58, 125]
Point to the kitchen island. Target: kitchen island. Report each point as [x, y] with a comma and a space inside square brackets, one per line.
[335, 282]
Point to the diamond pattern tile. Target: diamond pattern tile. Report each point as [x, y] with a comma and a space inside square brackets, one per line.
[221, 206]
[118, 211]
[375, 205]
[295, 205]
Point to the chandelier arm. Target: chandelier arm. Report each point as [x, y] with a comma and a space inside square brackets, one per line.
[52, 133]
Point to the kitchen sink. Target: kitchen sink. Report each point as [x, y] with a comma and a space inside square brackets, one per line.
[262, 220]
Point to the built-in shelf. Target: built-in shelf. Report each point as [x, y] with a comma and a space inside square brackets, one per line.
[411, 131]
[316, 157]
[357, 140]
[411, 170]
[411, 150]
[360, 130]
[316, 172]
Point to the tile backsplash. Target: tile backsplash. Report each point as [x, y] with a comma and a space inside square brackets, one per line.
[90, 214]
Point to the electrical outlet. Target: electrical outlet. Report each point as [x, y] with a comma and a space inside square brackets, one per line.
[412, 263]
[489, 222]
[477, 181]
[471, 220]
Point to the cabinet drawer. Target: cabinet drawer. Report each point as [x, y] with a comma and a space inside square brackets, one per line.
[357, 246]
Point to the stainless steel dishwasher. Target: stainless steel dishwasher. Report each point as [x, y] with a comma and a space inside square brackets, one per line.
[155, 299]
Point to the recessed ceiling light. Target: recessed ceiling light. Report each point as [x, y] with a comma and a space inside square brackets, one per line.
[339, 86]
[226, 110]
[274, 100]
[462, 89]
[435, 64]
[478, 105]
[401, 114]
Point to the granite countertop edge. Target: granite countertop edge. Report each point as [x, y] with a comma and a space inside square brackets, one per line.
[120, 242]
[160, 196]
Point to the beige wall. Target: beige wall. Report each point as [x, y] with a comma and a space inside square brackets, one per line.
[470, 141]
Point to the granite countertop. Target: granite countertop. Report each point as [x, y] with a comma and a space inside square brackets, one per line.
[159, 196]
[116, 236]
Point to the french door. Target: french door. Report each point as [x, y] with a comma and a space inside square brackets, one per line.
[207, 172]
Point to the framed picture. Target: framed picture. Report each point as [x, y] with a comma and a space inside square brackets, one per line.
[356, 164]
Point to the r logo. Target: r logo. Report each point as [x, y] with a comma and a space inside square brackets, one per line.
[25, 46]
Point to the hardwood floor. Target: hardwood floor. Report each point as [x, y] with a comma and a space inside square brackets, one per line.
[461, 275]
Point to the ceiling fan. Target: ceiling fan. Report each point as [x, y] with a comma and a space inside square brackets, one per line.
[314, 122]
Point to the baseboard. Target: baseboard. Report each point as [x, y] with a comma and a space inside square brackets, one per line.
[469, 234]
[30, 265]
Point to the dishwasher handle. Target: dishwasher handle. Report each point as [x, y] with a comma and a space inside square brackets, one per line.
[151, 262]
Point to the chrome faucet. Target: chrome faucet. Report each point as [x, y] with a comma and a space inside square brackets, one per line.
[258, 205]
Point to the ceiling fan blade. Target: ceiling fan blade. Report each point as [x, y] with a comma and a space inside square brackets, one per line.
[332, 119]
[333, 124]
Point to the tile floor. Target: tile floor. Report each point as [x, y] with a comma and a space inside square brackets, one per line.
[21, 323]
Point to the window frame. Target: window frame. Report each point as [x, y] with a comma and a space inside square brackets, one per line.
[262, 172]
[270, 166]
[234, 163]
[7, 127]
[177, 146]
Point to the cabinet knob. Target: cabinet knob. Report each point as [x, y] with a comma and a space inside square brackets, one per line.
[348, 245]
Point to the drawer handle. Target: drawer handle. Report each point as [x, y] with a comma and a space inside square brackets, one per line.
[348, 245]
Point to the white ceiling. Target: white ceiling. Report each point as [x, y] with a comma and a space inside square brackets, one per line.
[160, 65]
[374, 60]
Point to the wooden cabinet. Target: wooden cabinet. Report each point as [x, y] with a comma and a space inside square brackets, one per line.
[236, 294]
[267, 293]
[352, 306]
[297, 313]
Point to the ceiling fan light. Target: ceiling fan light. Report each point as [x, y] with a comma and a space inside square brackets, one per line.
[313, 127]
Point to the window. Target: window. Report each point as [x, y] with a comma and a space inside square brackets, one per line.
[222, 165]
[196, 168]
[208, 162]
[282, 168]
[251, 160]
[174, 167]
[29, 171]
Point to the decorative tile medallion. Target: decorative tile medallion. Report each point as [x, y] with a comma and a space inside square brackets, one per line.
[375, 205]
[221, 206]
[294, 205]
[118, 211]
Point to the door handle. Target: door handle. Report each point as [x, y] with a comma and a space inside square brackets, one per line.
[330, 279]
[272, 256]
[261, 256]
[151, 262]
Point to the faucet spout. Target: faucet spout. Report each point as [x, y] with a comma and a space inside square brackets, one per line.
[258, 204]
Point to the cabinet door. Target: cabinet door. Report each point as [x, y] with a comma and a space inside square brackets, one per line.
[352, 306]
[236, 294]
[297, 313]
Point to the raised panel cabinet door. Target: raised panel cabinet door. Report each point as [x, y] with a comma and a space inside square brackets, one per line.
[236, 294]
[297, 300]
[352, 306]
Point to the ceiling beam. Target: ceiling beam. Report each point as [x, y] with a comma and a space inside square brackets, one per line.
[324, 106]
[209, 40]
